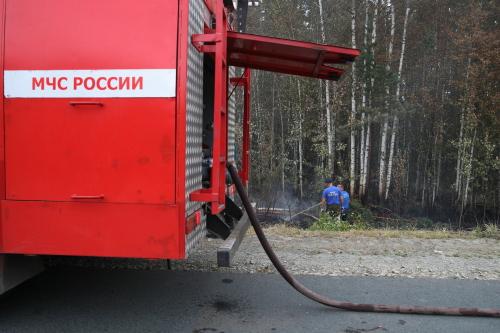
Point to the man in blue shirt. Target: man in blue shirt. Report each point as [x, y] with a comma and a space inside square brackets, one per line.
[332, 198]
[345, 206]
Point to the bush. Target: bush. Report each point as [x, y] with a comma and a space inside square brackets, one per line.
[423, 223]
[327, 223]
[441, 226]
[359, 214]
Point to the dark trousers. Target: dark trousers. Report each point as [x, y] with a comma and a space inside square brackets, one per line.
[333, 210]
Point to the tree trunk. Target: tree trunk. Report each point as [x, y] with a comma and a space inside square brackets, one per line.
[458, 178]
[467, 179]
[327, 99]
[301, 155]
[383, 148]
[395, 119]
[374, 39]
[363, 143]
[352, 167]
[461, 149]
[283, 153]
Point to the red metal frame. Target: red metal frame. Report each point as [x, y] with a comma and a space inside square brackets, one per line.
[244, 82]
[287, 56]
[2, 136]
[218, 37]
[182, 58]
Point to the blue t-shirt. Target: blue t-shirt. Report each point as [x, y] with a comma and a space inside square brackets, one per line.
[347, 198]
[332, 195]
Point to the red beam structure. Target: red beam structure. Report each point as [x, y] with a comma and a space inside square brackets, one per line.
[288, 56]
[244, 82]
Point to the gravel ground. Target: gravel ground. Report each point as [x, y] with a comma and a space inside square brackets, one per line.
[339, 256]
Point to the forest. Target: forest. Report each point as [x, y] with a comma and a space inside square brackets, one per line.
[412, 127]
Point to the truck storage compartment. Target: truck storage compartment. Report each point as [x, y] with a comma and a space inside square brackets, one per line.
[90, 100]
[90, 129]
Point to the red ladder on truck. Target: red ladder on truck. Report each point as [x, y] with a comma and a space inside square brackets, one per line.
[216, 43]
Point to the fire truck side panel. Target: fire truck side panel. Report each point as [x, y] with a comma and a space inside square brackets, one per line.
[91, 34]
[190, 99]
[92, 129]
[111, 230]
[193, 90]
[2, 138]
[123, 150]
[231, 119]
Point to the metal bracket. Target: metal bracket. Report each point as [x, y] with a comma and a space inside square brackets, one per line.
[232, 243]
[197, 39]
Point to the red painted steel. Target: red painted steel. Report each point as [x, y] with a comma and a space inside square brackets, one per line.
[91, 34]
[218, 47]
[55, 150]
[287, 56]
[220, 111]
[244, 82]
[94, 176]
[211, 5]
[246, 130]
[91, 229]
[180, 130]
[2, 137]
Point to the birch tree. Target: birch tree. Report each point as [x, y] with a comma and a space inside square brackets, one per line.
[329, 136]
[352, 166]
[395, 120]
[364, 145]
[383, 144]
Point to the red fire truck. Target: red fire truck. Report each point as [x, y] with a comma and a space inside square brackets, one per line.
[118, 120]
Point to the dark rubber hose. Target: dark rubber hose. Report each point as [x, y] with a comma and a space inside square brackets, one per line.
[338, 304]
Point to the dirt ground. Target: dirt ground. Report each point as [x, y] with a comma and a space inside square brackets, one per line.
[304, 252]
[455, 258]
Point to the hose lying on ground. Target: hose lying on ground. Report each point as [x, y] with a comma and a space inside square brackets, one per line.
[338, 304]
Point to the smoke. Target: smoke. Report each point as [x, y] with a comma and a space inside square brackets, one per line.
[280, 206]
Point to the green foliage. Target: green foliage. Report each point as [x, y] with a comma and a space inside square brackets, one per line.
[328, 223]
[360, 214]
[423, 223]
[441, 226]
[492, 229]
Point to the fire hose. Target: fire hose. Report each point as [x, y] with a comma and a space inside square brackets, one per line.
[339, 304]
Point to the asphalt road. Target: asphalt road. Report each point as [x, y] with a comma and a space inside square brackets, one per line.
[106, 300]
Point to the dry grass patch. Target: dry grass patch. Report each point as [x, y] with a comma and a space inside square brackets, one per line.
[282, 230]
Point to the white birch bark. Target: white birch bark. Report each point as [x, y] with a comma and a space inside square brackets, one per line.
[383, 151]
[352, 167]
[362, 162]
[367, 151]
[467, 179]
[300, 158]
[374, 36]
[300, 144]
[383, 144]
[458, 178]
[395, 120]
[282, 151]
[461, 150]
[334, 131]
[368, 130]
[327, 99]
